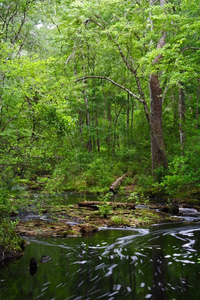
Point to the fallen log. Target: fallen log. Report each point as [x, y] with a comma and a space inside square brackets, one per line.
[95, 204]
[117, 182]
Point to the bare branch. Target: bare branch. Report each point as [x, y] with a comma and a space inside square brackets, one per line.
[95, 22]
[164, 93]
[143, 101]
[190, 48]
[124, 58]
[55, 25]
[23, 20]
[13, 118]
[113, 82]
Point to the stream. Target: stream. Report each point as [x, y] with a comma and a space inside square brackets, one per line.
[157, 262]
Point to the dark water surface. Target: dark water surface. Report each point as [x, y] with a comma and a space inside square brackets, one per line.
[159, 262]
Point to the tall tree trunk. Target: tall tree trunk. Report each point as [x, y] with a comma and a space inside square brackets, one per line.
[89, 142]
[80, 121]
[157, 142]
[181, 117]
[198, 94]
[116, 136]
[109, 134]
[132, 110]
[98, 140]
[127, 119]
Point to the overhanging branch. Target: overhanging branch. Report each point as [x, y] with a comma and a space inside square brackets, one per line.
[113, 82]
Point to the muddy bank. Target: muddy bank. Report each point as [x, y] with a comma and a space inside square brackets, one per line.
[9, 253]
[6, 255]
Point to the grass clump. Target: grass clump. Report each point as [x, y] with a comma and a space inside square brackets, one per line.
[119, 220]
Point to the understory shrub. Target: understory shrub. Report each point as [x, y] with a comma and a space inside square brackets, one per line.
[183, 175]
[99, 173]
[79, 172]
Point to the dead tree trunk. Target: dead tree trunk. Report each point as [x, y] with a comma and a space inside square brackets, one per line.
[95, 204]
[117, 182]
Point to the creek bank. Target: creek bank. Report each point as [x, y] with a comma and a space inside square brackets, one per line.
[6, 255]
[9, 253]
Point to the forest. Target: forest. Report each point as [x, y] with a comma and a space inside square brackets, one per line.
[94, 89]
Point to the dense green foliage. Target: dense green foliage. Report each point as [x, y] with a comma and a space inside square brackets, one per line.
[69, 71]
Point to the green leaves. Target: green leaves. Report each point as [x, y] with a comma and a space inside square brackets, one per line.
[47, 45]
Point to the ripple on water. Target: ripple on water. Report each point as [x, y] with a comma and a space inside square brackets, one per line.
[118, 264]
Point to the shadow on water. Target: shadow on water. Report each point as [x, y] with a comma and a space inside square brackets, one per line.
[159, 262]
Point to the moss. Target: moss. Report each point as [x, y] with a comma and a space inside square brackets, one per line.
[11, 245]
[64, 233]
[119, 220]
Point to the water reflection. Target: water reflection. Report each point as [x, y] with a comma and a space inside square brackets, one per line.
[155, 263]
[33, 266]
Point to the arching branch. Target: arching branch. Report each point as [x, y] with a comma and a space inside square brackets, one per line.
[143, 101]
[113, 82]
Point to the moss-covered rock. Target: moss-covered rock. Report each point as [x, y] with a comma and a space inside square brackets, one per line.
[11, 245]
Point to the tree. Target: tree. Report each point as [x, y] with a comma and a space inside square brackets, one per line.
[157, 142]
[131, 63]
[145, 36]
